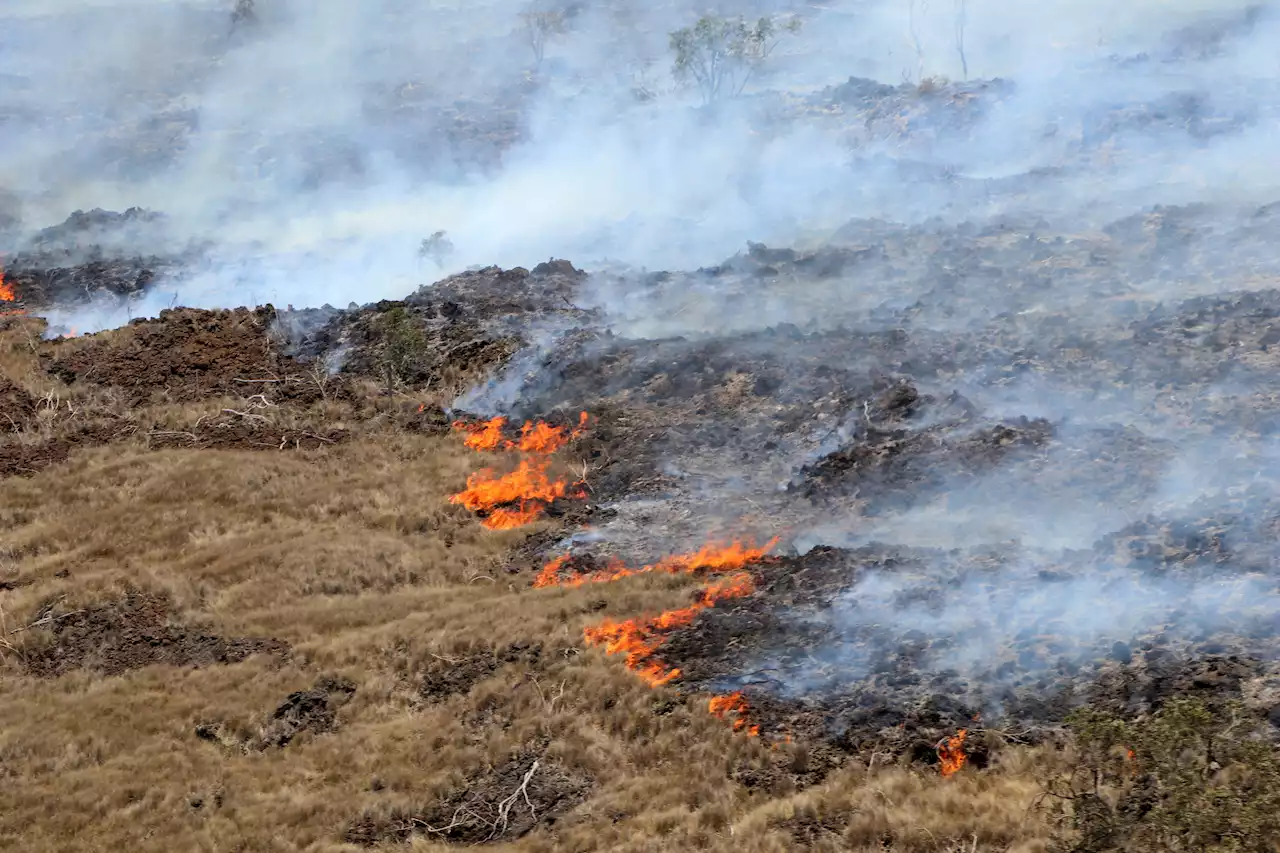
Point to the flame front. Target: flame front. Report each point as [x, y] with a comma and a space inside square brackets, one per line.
[522, 496]
[736, 704]
[485, 436]
[529, 487]
[712, 559]
[539, 437]
[640, 639]
[951, 755]
[544, 438]
[8, 294]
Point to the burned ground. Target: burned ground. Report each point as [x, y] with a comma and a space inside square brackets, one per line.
[130, 633]
[886, 446]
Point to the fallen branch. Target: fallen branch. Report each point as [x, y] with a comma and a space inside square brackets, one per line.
[245, 415]
[504, 807]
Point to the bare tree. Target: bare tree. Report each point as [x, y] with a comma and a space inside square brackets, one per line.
[915, 35]
[539, 27]
[962, 20]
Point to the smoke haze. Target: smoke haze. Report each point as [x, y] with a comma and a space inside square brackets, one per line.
[318, 148]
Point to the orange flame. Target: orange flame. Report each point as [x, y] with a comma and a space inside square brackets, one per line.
[539, 437]
[528, 486]
[713, 558]
[640, 639]
[506, 518]
[485, 436]
[8, 294]
[951, 753]
[736, 704]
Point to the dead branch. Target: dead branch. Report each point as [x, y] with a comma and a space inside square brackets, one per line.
[161, 433]
[249, 415]
[504, 807]
[260, 401]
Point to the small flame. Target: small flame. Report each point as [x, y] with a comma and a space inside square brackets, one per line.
[713, 558]
[528, 486]
[951, 753]
[535, 437]
[8, 294]
[640, 639]
[485, 436]
[736, 704]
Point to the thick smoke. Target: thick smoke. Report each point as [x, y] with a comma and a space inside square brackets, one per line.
[316, 149]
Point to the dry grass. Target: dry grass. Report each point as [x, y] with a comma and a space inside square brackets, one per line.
[352, 554]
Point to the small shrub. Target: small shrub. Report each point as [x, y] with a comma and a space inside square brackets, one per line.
[1188, 778]
[438, 247]
[402, 346]
[719, 55]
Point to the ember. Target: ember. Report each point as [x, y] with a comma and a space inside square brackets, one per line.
[951, 755]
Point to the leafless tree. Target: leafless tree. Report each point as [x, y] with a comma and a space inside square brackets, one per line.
[539, 27]
[243, 13]
[962, 20]
[915, 34]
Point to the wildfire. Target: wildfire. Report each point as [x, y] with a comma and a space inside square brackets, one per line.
[712, 559]
[8, 294]
[640, 639]
[485, 436]
[529, 487]
[539, 437]
[736, 704]
[519, 498]
[951, 755]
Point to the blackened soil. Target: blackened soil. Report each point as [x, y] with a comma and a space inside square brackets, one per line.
[135, 631]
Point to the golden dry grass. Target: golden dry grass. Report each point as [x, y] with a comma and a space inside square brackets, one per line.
[353, 555]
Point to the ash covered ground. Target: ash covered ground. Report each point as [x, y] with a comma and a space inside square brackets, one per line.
[995, 359]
